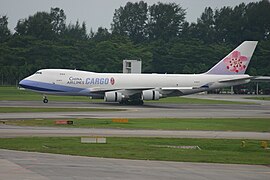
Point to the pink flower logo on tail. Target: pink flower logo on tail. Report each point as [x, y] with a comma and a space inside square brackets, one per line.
[235, 62]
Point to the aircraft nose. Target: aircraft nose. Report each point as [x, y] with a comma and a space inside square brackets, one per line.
[23, 83]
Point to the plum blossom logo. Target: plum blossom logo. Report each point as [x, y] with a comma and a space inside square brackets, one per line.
[112, 81]
[235, 62]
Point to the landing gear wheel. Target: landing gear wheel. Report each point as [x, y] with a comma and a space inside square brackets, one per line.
[131, 102]
[137, 102]
[141, 102]
[124, 102]
[45, 100]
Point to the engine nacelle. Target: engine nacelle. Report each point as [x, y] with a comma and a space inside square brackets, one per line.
[150, 95]
[113, 96]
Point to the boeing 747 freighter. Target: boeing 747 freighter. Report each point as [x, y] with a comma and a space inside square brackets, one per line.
[135, 88]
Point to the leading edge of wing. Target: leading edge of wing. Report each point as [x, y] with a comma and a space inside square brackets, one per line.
[99, 90]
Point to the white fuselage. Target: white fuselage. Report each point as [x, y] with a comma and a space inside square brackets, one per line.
[74, 82]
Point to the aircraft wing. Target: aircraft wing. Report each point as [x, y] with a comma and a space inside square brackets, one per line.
[100, 90]
[179, 91]
[136, 92]
[176, 88]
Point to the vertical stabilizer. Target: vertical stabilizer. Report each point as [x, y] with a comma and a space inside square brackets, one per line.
[236, 62]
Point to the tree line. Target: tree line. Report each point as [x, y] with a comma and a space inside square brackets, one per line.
[157, 34]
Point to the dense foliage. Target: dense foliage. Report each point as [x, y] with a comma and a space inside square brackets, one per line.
[158, 34]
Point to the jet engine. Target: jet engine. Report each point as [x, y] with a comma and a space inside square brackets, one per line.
[150, 95]
[113, 96]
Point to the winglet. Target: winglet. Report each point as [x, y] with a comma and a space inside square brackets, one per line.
[237, 61]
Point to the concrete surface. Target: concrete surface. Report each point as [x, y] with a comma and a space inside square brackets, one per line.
[16, 165]
[149, 110]
[16, 131]
[39, 166]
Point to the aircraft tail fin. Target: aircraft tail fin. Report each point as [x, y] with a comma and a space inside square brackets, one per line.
[236, 62]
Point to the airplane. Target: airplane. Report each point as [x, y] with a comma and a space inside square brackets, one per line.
[136, 88]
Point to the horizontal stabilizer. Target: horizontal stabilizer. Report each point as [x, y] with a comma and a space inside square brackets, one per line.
[235, 79]
[261, 79]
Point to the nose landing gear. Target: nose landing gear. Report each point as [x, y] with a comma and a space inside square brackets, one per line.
[45, 100]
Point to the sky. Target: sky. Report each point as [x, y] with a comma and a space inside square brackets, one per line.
[98, 13]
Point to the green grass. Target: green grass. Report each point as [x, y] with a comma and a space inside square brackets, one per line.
[34, 109]
[14, 94]
[260, 98]
[212, 150]
[217, 124]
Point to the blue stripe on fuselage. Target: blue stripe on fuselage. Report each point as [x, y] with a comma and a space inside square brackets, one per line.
[47, 87]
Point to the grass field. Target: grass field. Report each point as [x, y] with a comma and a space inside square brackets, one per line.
[37, 109]
[14, 94]
[217, 124]
[212, 150]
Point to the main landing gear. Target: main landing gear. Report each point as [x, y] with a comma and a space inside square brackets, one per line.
[132, 102]
[45, 100]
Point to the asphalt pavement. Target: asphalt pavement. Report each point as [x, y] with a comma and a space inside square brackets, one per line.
[7, 131]
[31, 165]
[16, 165]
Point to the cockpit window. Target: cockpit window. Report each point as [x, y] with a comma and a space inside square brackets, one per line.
[38, 72]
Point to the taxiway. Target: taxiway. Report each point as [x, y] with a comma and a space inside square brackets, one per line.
[17, 165]
[7, 131]
[149, 110]
[30, 165]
